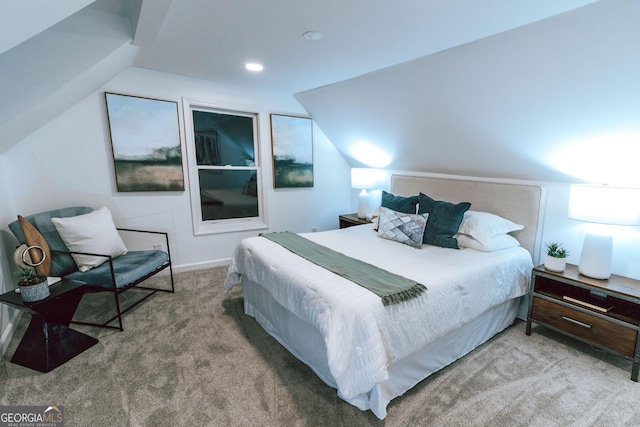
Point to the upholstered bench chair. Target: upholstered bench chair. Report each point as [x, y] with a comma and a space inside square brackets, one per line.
[84, 244]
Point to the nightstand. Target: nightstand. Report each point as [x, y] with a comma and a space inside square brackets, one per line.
[603, 313]
[349, 220]
[48, 342]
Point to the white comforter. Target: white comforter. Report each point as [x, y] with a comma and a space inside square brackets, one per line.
[362, 336]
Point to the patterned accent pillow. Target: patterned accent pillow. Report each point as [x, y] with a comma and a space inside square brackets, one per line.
[402, 227]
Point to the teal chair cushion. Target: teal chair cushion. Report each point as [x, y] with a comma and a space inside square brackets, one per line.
[127, 269]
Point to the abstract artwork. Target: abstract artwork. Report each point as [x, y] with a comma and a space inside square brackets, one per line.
[145, 138]
[292, 143]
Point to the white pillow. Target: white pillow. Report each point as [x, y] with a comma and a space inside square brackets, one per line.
[94, 232]
[483, 226]
[501, 241]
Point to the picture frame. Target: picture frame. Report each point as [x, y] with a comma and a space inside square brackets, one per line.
[145, 142]
[292, 148]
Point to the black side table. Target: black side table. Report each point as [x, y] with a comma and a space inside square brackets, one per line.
[48, 342]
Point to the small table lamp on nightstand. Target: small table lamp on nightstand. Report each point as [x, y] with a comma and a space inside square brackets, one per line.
[602, 205]
[364, 179]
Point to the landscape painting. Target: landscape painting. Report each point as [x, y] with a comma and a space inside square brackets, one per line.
[145, 138]
[292, 141]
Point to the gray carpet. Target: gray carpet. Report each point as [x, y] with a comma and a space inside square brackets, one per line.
[194, 359]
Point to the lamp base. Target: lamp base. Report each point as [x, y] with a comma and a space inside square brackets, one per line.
[595, 260]
[363, 204]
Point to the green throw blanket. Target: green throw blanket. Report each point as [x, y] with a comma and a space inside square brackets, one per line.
[391, 287]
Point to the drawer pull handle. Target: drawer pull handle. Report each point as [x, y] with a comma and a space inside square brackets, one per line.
[584, 325]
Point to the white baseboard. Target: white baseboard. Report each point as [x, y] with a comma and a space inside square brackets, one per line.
[202, 265]
[197, 266]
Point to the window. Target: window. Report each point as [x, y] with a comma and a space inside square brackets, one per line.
[224, 170]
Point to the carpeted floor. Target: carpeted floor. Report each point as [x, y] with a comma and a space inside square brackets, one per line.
[194, 359]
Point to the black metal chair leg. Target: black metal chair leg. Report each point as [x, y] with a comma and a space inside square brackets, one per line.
[115, 294]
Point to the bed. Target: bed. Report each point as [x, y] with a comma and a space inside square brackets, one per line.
[372, 353]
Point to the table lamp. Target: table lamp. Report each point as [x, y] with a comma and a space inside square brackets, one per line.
[602, 205]
[364, 179]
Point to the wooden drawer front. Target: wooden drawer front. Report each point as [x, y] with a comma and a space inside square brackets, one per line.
[594, 329]
[344, 223]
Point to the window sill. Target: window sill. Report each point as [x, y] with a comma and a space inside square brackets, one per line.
[229, 226]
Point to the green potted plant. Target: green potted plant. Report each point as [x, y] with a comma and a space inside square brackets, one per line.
[33, 286]
[556, 259]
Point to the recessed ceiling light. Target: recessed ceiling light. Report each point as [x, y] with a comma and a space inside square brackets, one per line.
[253, 66]
[312, 35]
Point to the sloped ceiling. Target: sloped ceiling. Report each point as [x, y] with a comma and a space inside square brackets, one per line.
[212, 39]
[554, 100]
[61, 60]
[53, 54]
[34, 17]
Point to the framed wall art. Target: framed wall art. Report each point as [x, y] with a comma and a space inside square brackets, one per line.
[292, 145]
[145, 138]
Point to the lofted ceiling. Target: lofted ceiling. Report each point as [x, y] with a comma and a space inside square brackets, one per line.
[212, 39]
[52, 54]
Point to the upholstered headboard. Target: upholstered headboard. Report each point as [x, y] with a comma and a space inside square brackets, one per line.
[521, 203]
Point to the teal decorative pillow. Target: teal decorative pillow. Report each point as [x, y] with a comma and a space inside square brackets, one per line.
[402, 227]
[444, 220]
[399, 203]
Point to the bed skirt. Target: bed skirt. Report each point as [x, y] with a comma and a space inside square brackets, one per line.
[305, 342]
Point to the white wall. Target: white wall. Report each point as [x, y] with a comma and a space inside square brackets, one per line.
[69, 162]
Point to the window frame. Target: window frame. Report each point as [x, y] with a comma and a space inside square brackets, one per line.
[200, 226]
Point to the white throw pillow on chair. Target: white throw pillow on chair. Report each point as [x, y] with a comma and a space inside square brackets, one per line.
[95, 233]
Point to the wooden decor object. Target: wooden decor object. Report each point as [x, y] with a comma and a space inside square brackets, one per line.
[33, 238]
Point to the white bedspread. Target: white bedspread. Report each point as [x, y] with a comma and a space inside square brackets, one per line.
[362, 336]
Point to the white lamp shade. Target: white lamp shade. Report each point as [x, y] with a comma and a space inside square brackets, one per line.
[365, 178]
[605, 205]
